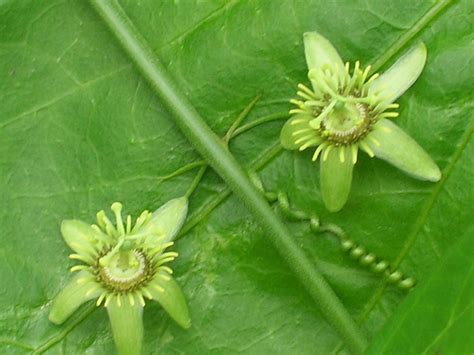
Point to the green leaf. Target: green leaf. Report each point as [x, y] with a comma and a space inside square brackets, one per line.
[447, 307]
[80, 129]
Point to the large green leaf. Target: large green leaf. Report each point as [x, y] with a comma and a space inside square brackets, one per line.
[434, 318]
[80, 129]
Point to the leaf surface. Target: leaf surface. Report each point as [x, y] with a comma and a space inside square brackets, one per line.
[80, 129]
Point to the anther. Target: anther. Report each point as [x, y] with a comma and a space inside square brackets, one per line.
[117, 209]
[342, 154]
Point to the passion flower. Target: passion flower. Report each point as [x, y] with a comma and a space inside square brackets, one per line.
[123, 264]
[348, 109]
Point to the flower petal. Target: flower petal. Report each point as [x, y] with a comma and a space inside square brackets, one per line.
[168, 219]
[294, 129]
[400, 150]
[319, 52]
[72, 296]
[401, 75]
[336, 177]
[169, 295]
[127, 326]
[81, 237]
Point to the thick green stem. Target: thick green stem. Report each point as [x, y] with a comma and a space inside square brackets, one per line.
[215, 152]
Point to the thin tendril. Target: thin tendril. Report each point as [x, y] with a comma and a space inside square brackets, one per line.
[196, 181]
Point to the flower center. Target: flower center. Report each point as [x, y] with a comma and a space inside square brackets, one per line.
[345, 123]
[123, 271]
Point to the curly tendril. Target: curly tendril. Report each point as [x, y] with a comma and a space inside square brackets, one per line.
[356, 251]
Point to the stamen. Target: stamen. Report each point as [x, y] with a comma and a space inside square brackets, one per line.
[165, 260]
[101, 298]
[366, 73]
[318, 151]
[298, 103]
[354, 149]
[105, 223]
[318, 78]
[376, 142]
[303, 139]
[119, 300]
[117, 209]
[160, 248]
[298, 120]
[131, 299]
[129, 224]
[342, 154]
[326, 152]
[92, 289]
[84, 258]
[83, 280]
[141, 220]
[305, 96]
[141, 300]
[166, 269]
[296, 110]
[371, 79]
[307, 90]
[367, 149]
[389, 115]
[303, 130]
[314, 103]
[309, 143]
[79, 268]
[107, 300]
[328, 109]
[147, 293]
[158, 288]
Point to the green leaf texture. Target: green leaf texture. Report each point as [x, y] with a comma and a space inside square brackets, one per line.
[80, 129]
[434, 318]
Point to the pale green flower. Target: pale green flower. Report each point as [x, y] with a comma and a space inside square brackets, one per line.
[349, 110]
[123, 264]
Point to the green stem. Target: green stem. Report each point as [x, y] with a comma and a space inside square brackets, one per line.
[259, 121]
[240, 118]
[196, 181]
[214, 151]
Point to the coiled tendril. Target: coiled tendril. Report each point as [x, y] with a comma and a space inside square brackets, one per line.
[356, 251]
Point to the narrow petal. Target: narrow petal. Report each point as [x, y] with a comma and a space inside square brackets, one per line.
[169, 295]
[81, 237]
[400, 150]
[401, 75]
[296, 128]
[319, 52]
[168, 219]
[336, 177]
[127, 326]
[72, 296]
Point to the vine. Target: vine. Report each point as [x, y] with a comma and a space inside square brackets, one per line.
[356, 251]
